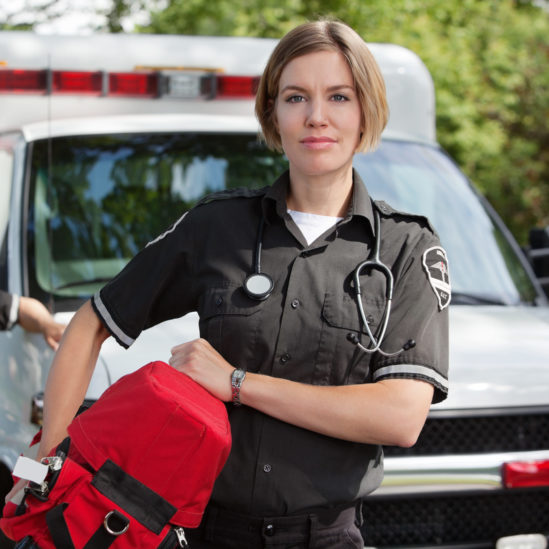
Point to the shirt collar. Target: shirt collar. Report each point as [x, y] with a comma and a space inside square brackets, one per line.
[360, 205]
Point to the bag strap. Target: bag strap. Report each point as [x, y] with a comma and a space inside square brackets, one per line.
[131, 495]
[115, 524]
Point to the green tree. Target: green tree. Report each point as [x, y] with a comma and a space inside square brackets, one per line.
[489, 64]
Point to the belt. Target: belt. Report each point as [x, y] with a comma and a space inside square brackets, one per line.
[220, 524]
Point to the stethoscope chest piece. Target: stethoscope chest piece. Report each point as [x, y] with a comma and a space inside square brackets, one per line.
[258, 286]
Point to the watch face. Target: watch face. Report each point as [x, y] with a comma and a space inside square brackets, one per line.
[238, 376]
[236, 381]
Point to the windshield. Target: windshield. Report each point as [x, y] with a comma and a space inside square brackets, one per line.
[421, 179]
[110, 195]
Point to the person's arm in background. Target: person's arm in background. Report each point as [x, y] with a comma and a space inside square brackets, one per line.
[31, 315]
[34, 317]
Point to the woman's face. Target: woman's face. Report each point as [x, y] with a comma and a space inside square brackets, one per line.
[318, 114]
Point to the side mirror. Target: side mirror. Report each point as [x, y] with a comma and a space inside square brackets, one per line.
[538, 255]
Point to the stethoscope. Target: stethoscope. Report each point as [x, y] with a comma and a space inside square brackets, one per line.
[259, 286]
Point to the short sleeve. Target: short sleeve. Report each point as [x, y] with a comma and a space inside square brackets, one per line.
[419, 312]
[9, 310]
[156, 285]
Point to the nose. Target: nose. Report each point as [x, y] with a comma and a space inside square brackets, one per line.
[316, 117]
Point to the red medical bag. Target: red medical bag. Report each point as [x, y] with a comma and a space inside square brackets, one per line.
[138, 466]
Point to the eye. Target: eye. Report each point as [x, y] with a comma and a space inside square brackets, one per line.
[295, 99]
[339, 98]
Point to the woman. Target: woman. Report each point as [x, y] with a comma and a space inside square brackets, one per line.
[315, 390]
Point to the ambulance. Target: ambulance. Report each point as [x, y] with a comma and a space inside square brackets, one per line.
[105, 140]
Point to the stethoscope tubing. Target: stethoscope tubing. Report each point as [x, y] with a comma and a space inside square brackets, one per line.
[375, 263]
[266, 285]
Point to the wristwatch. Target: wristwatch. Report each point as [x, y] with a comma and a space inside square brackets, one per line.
[237, 377]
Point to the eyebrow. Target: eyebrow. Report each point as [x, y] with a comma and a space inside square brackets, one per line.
[330, 89]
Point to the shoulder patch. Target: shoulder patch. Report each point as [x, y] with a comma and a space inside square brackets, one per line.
[388, 210]
[435, 263]
[241, 192]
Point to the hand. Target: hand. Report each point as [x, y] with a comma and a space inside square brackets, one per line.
[202, 363]
[52, 333]
[34, 317]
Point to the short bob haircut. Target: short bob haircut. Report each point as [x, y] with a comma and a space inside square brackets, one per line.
[326, 35]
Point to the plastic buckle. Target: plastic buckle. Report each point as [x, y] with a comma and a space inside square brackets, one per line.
[116, 523]
[182, 540]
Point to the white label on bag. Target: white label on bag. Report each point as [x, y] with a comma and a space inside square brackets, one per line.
[30, 469]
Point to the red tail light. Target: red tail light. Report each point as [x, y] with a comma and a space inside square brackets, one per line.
[526, 474]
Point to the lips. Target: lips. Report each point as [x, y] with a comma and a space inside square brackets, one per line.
[321, 139]
[318, 143]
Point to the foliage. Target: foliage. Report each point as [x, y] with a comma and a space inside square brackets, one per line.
[489, 64]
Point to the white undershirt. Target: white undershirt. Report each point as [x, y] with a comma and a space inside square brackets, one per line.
[313, 225]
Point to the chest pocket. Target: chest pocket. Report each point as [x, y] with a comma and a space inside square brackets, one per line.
[340, 362]
[230, 321]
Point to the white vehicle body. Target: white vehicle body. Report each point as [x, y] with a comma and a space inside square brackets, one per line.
[499, 353]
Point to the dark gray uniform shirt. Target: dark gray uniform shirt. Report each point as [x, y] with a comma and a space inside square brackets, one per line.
[9, 310]
[299, 332]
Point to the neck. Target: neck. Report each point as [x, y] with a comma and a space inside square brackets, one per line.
[326, 194]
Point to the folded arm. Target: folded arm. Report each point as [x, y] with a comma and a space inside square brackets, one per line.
[390, 411]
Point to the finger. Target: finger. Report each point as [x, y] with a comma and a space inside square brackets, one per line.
[52, 343]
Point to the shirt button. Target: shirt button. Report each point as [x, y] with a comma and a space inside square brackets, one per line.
[267, 468]
[370, 319]
[295, 303]
[269, 530]
[284, 358]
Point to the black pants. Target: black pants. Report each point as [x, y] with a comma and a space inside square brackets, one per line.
[221, 529]
[333, 529]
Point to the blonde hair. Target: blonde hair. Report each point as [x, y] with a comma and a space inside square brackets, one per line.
[326, 35]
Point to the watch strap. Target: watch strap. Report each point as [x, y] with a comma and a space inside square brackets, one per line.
[237, 377]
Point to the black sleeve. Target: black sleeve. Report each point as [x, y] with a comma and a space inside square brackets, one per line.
[420, 312]
[156, 285]
[9, 310]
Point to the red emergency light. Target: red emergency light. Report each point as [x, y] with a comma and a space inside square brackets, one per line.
[236, 86]
[526, 474]
[23, 81]
[184, 84]
[77, 82]
[133, 84]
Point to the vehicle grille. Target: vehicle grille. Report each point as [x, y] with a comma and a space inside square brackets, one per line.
[474, 434]
[476, 520]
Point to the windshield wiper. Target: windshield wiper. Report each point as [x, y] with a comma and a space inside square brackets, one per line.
[464, 298]
[76, 283]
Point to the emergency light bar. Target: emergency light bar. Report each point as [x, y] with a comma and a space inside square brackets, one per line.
[151, 84]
